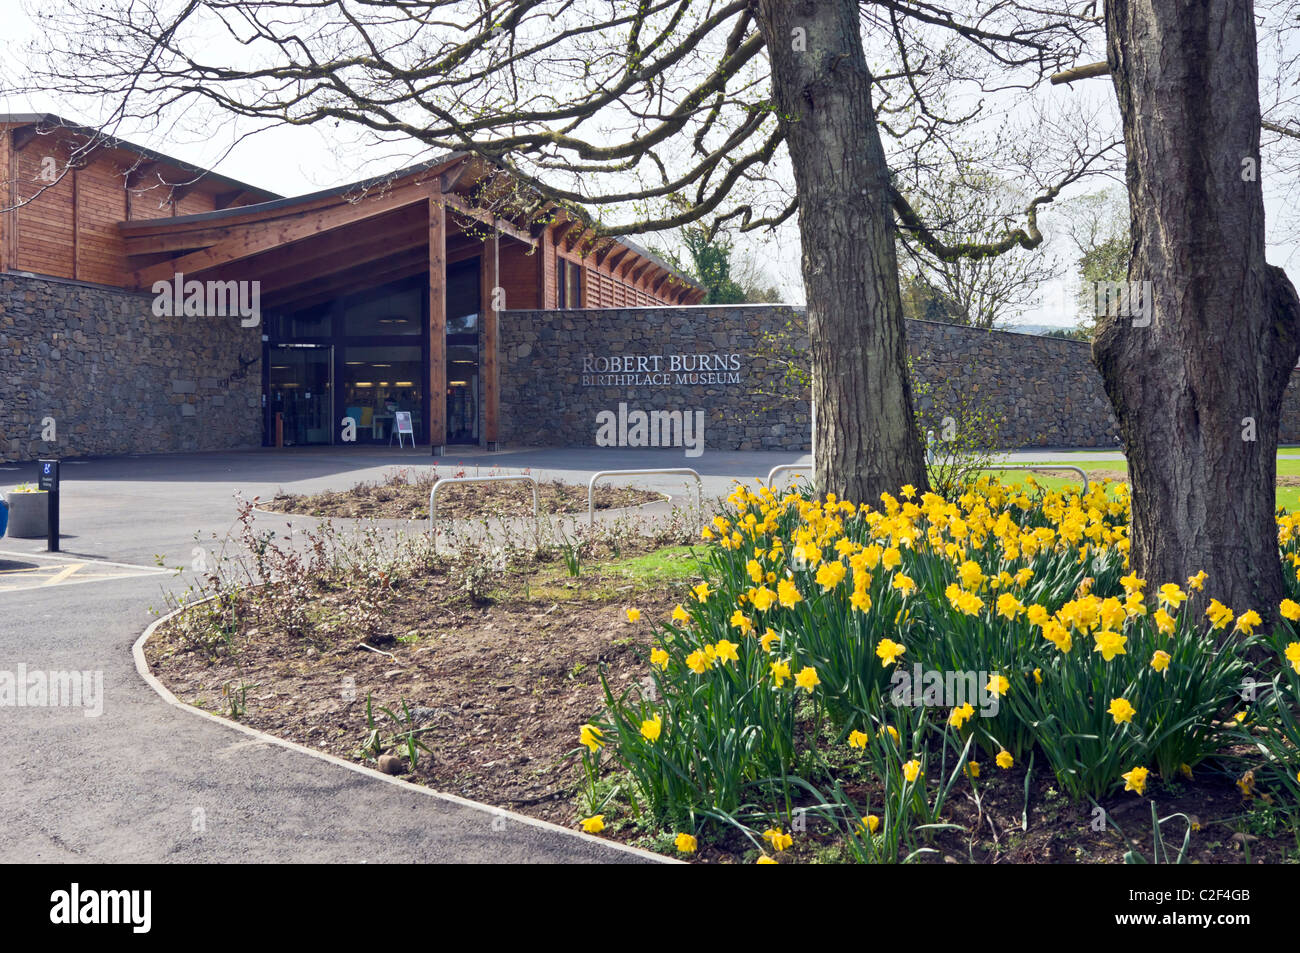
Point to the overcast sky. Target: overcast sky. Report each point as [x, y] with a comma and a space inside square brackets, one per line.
[297, 160]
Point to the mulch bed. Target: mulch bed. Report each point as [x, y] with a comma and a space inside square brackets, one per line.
[400, 499]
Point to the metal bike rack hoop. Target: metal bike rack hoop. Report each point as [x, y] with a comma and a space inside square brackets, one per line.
[521, 478]
[670, 471]
[785, 468]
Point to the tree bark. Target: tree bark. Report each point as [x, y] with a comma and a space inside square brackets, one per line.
[1209, 371]
[865, 435]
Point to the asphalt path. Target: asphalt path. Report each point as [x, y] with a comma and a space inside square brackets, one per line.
[146, 780]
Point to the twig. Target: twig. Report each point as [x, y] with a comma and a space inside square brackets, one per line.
[362, 645]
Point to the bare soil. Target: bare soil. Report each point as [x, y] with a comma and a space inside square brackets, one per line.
[400, 499]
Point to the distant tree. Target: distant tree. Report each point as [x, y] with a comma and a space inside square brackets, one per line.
[1077, 333]
[708, 261]
[965, 204]
[1097, 225]
[729, 276]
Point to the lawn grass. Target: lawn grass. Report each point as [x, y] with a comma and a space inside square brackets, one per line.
[1287, 496]
[603, 579]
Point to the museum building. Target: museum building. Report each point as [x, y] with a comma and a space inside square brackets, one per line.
[364, 305]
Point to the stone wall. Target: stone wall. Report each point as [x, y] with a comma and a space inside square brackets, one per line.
[115, 378]
[560, 369]
[1041, 391]
[1044, 392]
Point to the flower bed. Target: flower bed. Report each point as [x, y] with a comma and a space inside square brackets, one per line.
[851, 669]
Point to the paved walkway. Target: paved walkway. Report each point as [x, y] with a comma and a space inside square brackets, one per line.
[147, 781]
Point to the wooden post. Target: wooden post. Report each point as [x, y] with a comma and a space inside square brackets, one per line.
[489, 292]
[6, 198]
[437, 325]
[76, 224]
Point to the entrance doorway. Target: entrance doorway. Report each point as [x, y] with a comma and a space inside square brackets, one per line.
[463, 392]
[300, 387]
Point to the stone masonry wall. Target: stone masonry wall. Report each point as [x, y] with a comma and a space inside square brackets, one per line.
[559, 369]
[1044, 391]
[115, 378]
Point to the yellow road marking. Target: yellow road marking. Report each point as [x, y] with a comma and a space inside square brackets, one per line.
[62, 575]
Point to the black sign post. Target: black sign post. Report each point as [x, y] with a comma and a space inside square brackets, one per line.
[49, 482]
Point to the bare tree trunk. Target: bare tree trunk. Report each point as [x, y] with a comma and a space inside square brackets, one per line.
[1198, 390]
[866, 439]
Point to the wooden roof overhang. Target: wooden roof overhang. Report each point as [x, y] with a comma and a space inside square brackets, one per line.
[145, 170]
[312, 248]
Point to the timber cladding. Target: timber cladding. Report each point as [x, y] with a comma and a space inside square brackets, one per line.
[115, 379]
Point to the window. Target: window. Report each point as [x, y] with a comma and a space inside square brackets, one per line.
[568, 284]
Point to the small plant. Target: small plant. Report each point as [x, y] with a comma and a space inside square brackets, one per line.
[1159, 849]
[408, 739]
[236, 698]
[26, 488]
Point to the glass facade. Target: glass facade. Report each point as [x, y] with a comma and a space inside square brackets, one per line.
[365, 356]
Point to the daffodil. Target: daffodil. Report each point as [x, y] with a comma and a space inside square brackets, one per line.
[652, 727]
[594, 824]
[779, 841]
[1121, 710]
[998, 685]
[807, 679]
[686, 843]
[904, 584]
[1110, 644]
[1135, 779]
[1247, 621]
[888, 651]
[1218, 614]
[592, 737]
[959, 716]
[680, 614]
[633, 615]
[858, 739]
[1160, 661]
[912, 771]
[1292, 654]
[780, 672]
[1004, 760]
[659, 657]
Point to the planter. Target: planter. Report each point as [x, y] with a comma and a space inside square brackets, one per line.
[28, 515]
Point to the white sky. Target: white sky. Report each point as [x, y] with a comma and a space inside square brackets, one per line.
[297, 160]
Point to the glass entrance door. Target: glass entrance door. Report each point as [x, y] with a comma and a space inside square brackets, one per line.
[463, 307]
[300, 387]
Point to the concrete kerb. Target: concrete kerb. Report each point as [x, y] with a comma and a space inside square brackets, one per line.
[142, 667]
